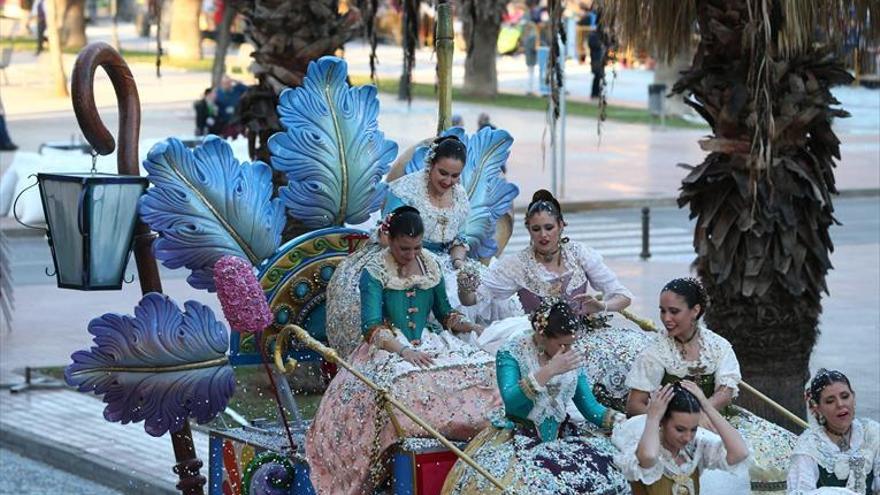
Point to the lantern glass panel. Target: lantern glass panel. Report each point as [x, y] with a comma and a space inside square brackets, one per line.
[111, 219]
[60, 199]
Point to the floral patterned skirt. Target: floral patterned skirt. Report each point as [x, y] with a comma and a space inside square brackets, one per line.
[347, 442]
[575, 463]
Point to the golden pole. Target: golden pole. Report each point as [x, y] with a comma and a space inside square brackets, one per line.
[331, 356]
[444, 44]
[648, 326]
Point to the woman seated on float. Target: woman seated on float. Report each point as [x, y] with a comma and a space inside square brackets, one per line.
[531, 444]
[690, 351]
[838, 449]
[436, 192]
[551, 266]
[447, 382]
[664, 451]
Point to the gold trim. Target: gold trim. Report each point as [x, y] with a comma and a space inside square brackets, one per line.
[157, 369]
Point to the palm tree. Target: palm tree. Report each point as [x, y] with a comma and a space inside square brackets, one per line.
[185, 37]
[763, 195]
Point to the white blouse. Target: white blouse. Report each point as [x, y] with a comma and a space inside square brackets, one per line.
[706, 451]
[522, 271]
[815, 449]
[663, 356]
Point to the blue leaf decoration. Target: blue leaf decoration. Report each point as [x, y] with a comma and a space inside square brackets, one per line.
[332, 152]
[491, 196]
[160, 366]
[206, 205]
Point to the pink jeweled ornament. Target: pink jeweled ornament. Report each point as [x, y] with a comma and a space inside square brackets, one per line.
[241, 297]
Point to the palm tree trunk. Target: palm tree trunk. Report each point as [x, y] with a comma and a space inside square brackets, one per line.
[185, 38]
[763, 196]
[223, 35]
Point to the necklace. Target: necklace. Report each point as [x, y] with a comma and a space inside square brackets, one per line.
[546, 258]
[689, 339]
[843, 441]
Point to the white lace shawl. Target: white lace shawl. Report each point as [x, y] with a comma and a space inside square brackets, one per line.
[522, 271]
[815, 449]
[706, 451]
[663, 356]
[441, 224]
[553, 397]
[384, 268]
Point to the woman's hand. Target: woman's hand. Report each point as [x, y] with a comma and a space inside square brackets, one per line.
[457, 263]
[658, 403]
[564, 361]
[585, 304]
[416, 358]
[697, 392]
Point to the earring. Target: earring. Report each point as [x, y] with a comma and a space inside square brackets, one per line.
[821, 419]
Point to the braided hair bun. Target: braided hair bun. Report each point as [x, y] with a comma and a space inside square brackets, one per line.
[691, 290]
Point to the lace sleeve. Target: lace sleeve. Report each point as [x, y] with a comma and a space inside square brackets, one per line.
[802, 474]
[714, 455]
[647, 371]
[498, 280]
[600, 276]
[626, 438]
[727, 374]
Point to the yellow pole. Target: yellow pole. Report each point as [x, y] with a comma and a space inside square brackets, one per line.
[331, 356]
[444, 44]
[648, 326]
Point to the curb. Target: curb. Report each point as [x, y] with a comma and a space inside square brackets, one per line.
[81, 463]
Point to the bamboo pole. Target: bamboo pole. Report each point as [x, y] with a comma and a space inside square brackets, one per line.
[331, 356]
[648, 326]
[444, 45]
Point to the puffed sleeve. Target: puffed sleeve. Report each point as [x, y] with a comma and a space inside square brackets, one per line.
[626, 438]
[440, 306]
[371, 303]
[803, 474]
[510, 383]
[727, 374]
[647, 371]
[600, 276]
[465, 212]
[498, 282]
[714, 454]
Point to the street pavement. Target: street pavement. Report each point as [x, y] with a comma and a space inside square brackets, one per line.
[632, 164]
[25, 476]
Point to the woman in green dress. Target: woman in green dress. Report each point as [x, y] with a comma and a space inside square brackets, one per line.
[532, 446]
[446, 381]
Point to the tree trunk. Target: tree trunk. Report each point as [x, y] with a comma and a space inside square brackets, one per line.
[73, 28]
[223, 35]
[480, 76]
[55, 60]
[185, 38]
[481, 22]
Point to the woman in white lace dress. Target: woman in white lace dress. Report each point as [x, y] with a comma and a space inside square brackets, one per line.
[664, 451]
[436, 192]
[553, 267]
[690, 351]
[839, 453]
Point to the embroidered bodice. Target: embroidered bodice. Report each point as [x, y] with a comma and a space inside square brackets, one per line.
[522, 274]
[818, 462]
[402, 303]
[663, 357]
[444, 227]
[544, 407]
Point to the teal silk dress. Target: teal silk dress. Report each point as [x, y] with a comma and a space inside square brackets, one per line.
[531, 444]
[348, 441]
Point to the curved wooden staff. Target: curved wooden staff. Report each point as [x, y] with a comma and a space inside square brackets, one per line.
[331, 356]
[648, 326]
[93, 128]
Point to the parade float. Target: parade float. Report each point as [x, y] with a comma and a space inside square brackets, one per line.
[221, 220]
